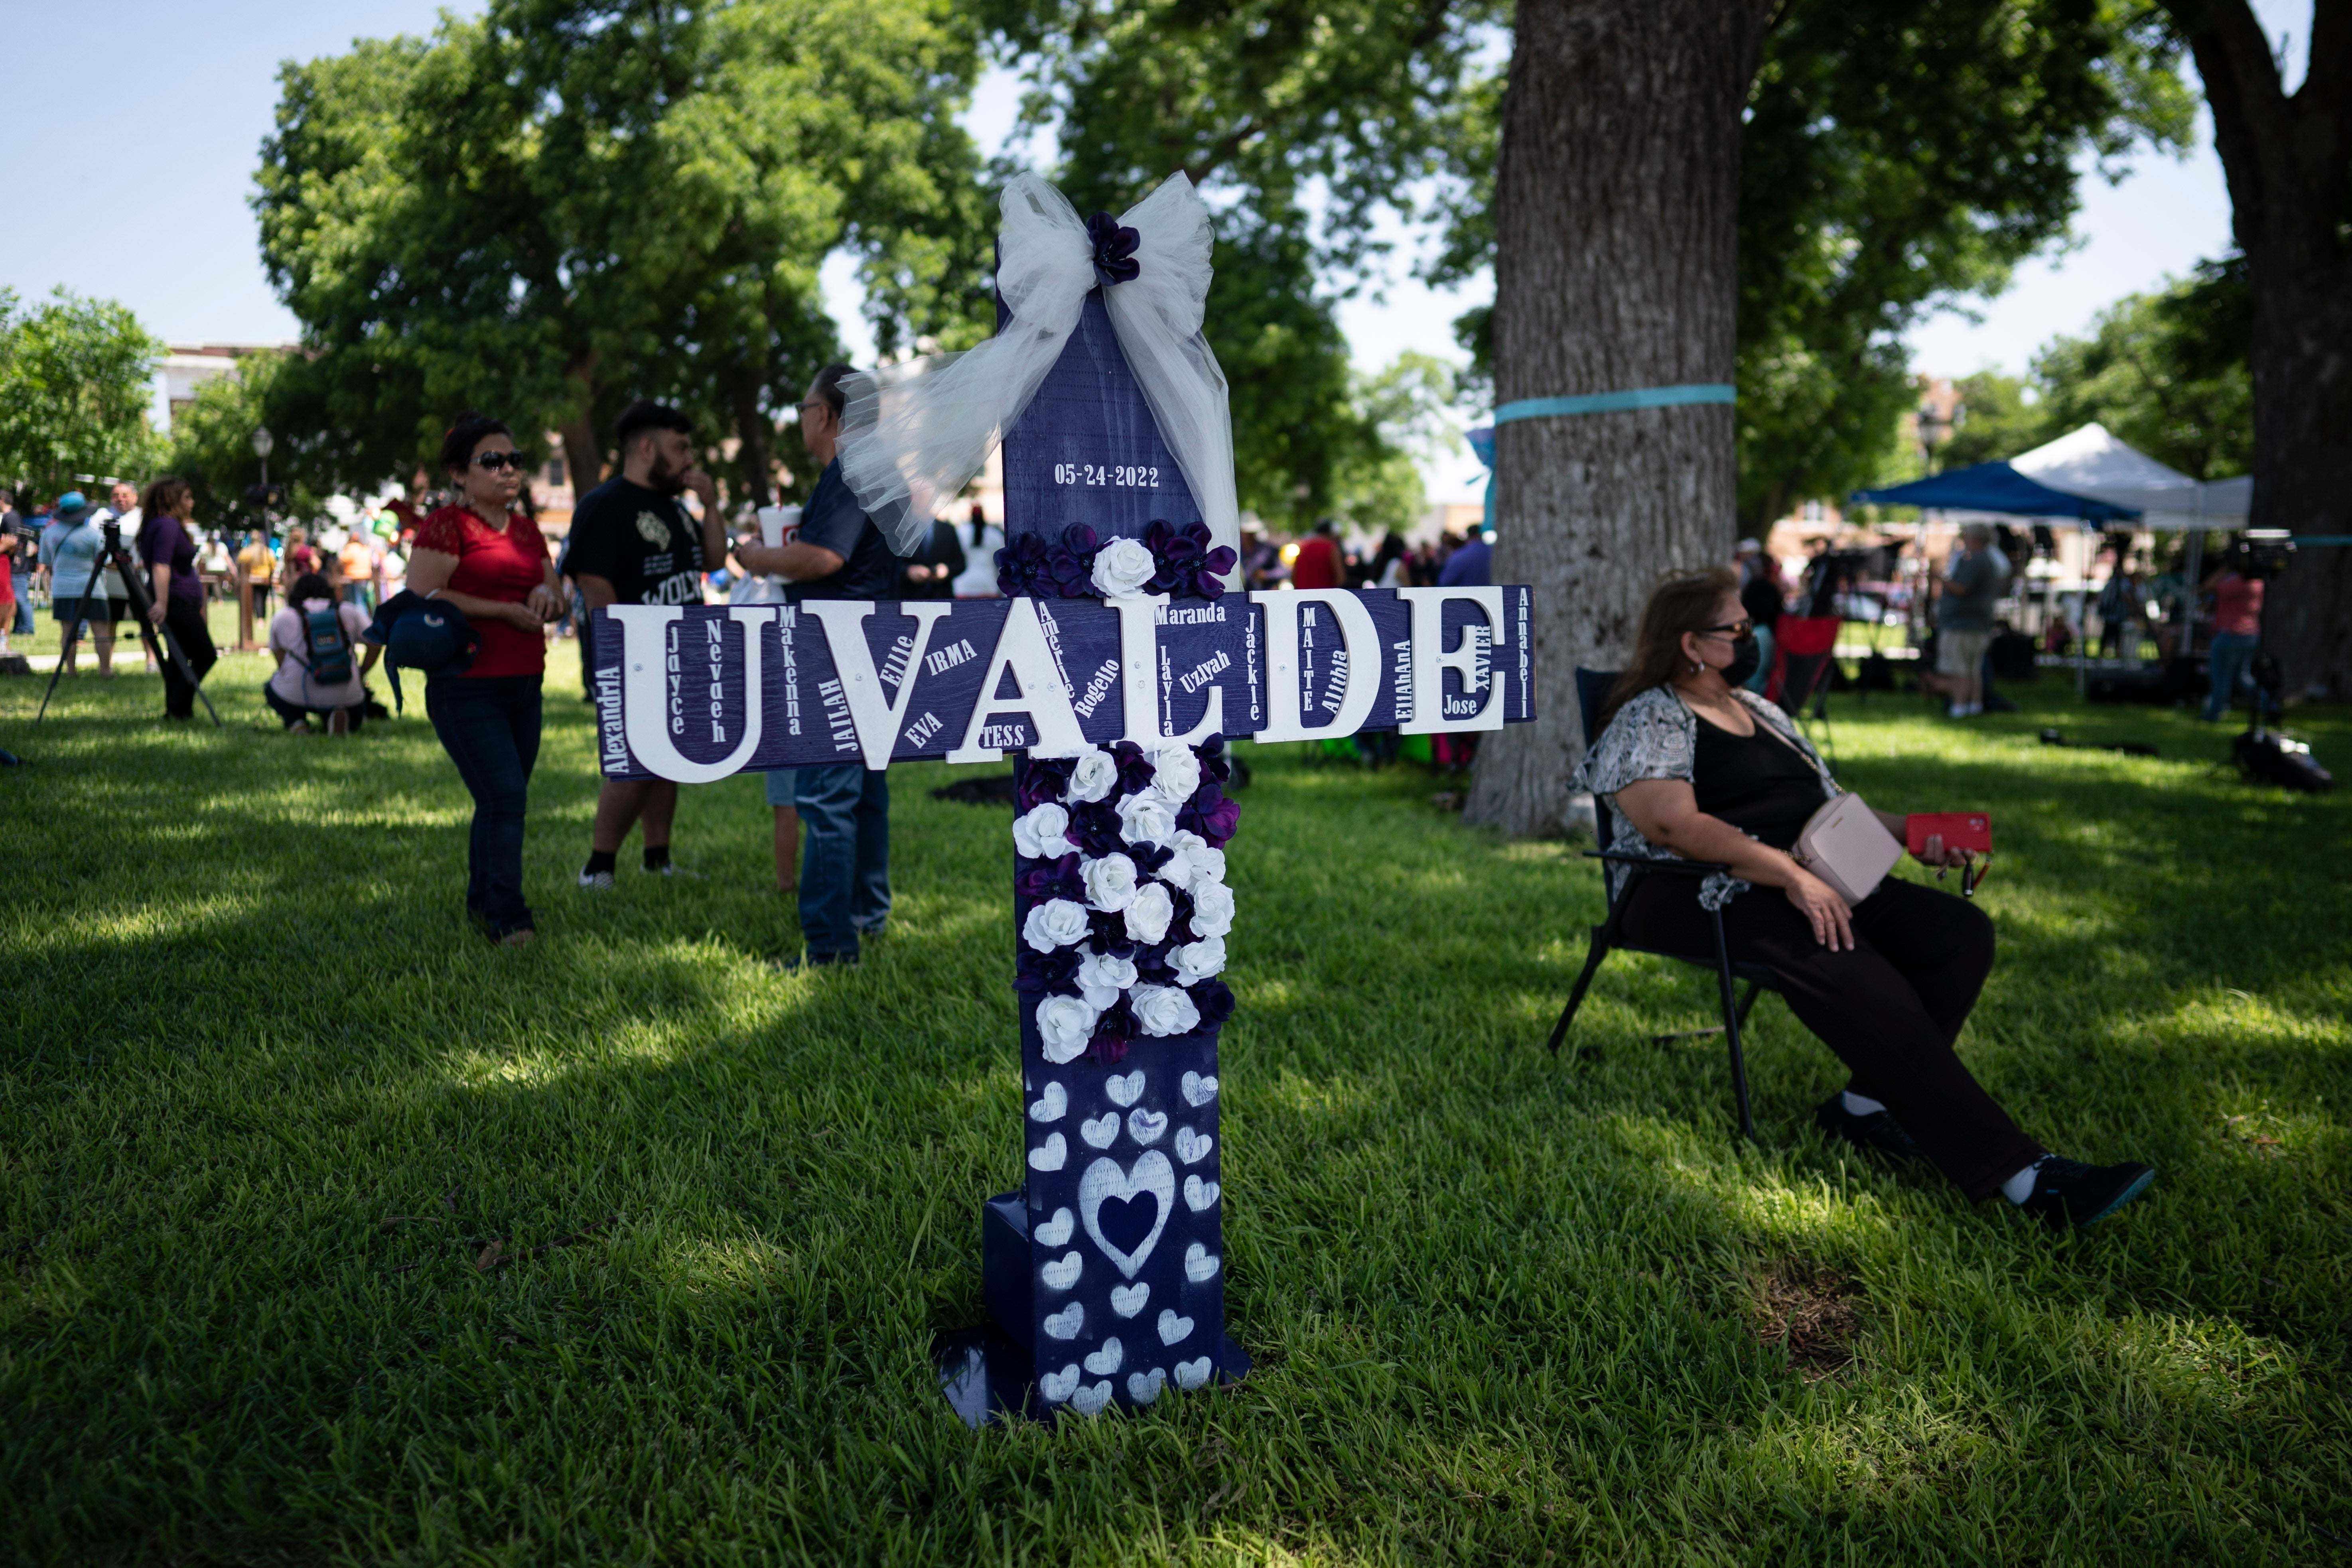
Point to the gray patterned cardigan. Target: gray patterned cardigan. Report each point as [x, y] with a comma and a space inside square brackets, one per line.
[1656, 736]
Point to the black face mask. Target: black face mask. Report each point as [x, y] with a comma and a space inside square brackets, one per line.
[1745, 656]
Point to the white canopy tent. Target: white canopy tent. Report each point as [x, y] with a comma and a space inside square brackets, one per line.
[2092, 462]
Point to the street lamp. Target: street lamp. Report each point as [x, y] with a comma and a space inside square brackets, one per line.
[263, 443]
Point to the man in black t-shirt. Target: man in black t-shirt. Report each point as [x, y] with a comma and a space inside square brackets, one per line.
[631, 543]
[840, 554]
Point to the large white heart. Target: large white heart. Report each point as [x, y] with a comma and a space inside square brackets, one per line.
[1144, 1388]
[1049, 1106]
[1128, 1300]
[1199, 1090]
[1090, 1401]
[1145, 1126]
[1189, 1374]
[1192, 1147]
[1050, 1155]
[1106, 1360]
[1055, 1232]
[1062, 1273]
[1099, 1132]
[1198, 1264]
[1198, 1194]
[1057, 1385]
[1127, 1090]
[1104, 1181]
[1066, 1324]
[1174, 1330]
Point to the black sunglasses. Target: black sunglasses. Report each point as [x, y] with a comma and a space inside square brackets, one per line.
[1739, 630]
[494, 460]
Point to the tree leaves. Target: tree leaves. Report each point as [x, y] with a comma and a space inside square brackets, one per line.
[74, 391]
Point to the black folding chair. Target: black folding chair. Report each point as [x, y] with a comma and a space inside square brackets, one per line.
[1592, 689]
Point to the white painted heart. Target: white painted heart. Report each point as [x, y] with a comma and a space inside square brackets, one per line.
[1192, 1147]
[1106, 1360]
[1145, 1126]
[1123, 1090]
[1104, 1180]
[1198, 1194]
[1090, 1401]
[1144, 1388]
[1198, 1264]
[1128, 1300]
[1057, 1385]
[1055, 1232]
[1189, 1374]
[1066, 1324]
[1062, 1273]
[1174, 1330]
[1049, 1106]
[1099, 1132]
[1199, 1090]
[1050, 1155]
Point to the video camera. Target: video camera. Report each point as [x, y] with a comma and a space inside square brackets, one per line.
[2265, 552]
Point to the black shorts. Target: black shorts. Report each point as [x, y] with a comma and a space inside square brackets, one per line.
[95, 609]
[261, 599]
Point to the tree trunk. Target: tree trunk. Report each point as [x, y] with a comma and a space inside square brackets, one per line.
[583, 462]
[1616, 215]
[2289, 163]
[755, 454]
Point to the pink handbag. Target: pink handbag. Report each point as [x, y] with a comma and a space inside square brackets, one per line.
[1847, 846]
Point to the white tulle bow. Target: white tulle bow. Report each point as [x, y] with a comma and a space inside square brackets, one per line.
[916, 433]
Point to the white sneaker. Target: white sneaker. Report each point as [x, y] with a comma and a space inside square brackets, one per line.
[1958, 710]
[597, 881]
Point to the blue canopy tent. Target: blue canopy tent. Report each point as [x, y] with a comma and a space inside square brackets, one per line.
[1998, 487]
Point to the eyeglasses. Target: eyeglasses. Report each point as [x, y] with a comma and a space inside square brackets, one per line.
[494, 460]
[1739, 630]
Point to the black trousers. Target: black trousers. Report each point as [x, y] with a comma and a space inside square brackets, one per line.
[187, 623]
[1891, 1008]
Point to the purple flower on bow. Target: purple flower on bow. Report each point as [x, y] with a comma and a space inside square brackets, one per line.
[1215, 1000]
[1114, 250]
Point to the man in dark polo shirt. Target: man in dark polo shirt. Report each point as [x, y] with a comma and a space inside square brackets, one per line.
[632, 543]
[846, 810]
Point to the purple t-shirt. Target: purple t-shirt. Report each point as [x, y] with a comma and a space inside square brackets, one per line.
[163, 542]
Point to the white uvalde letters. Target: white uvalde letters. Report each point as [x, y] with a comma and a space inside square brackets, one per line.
[1284, 712]
[877, 719]
[1474, 658]
[1020, 648]
[1138, 663]
[645, 683]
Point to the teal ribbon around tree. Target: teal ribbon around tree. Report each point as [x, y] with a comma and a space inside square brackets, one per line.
[1590, 402]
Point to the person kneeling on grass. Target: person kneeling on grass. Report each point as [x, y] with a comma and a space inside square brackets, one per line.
[1696, 768]
[319, 676]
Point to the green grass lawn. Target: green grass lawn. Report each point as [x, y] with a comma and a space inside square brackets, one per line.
[266, 1106]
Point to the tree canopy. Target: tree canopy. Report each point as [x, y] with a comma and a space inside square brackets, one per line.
[75, 385]
[567, 204]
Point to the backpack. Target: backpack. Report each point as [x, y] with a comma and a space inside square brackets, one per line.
[329, 646]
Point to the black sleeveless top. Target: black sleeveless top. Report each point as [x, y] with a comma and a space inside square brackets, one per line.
[1758, 783]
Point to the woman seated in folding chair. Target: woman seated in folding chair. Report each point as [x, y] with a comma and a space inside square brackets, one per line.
[1694, 767]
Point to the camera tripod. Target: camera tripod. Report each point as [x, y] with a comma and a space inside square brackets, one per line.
[142, 605]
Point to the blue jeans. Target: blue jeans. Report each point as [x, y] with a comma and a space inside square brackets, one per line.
[845, 857]
[490, 728]
[2233, 652]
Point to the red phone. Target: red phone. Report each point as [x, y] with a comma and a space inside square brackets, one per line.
[1958, 830]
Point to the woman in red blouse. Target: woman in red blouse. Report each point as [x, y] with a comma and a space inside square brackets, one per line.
[499, 574]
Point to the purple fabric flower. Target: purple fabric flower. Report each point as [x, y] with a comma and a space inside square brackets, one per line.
[1043, 780]
[1214, 763]
[1042, 973]
[1149, 858]
[1213, 566]
[1215, 1000]
[1151, 966]
[1070, 565]
[1024, 569]
[1044, 880]
[1094, 828]
[1114, 250]
[1114, 1032]
[1134, 767]
[1211, 814]
[1107, 935]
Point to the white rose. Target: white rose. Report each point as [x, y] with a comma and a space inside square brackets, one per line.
[1067, 1025]
[1194, 865]
[1165, 1009]
[1148, 915]
[1057, 923]
[1122, 566]
[1093, 777]
[1212, 909]
[1176, 772]
[1102, 978]
[1196, 961]
[1146, 819]
[1043, 834]
[1110, 883]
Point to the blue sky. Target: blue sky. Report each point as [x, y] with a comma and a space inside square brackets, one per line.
[133, 187]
